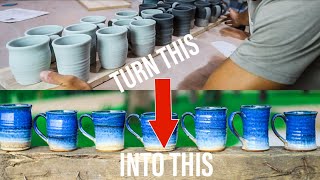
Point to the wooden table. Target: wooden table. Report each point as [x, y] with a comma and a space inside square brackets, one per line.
[190, 74]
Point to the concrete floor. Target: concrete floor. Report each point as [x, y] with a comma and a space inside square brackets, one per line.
[190, 74]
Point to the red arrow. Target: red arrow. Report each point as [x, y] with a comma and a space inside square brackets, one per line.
[163, 126]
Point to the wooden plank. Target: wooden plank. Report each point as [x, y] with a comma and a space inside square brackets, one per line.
[95, 5]
[87, 163]
[97, 75]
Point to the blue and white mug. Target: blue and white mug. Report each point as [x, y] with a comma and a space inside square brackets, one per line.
[149, 139]
[210, 128]
[255, 127]
[15, 127]
[62, 129]
[300, 130]
[109, 129]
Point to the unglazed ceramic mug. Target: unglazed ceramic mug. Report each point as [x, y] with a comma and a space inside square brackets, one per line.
[164, 28]
[142, 36]
[88, 29]
[210, 128]
[53, 31]
[147, 6]
[125, 14]
[73, 55]
[28, 57]
[300, 132]
[109, 129]
[255, 120]
[15, 127]
[148, 13]
[149, 139]
[203, 13]
[113, 46]
[182, 20]
[97, 20]
[62, 129]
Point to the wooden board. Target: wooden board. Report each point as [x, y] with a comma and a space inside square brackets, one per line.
[97, 75]
[95, 5]
[87, 163]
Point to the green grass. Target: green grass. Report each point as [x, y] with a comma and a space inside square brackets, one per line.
[182, 104]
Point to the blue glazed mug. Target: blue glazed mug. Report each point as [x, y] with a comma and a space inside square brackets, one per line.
[109, 129]
[15, 127]
[301, 130]
[149, 138]
[210, 128]
[62, 129]
[255, 127]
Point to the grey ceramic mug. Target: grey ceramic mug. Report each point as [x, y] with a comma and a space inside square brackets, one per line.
[97, 20]
[53, 31]
[88, 29]
[148, 13]
[142, 35]
[113, 46]
[28, 56]
[73, 55]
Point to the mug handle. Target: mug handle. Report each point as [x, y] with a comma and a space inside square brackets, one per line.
[162, 9]
[82, 130]
[130, 129]
[53, 37]
[274, 128]
[101, 25]
[208, 13]
[111, 21]
[160, 2]
[218, 11]
[175, 4]
[231, 125]
[137, 18]
[183, 126]
[169, 11]
[36, 129]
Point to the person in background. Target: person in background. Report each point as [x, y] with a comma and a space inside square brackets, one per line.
[282, 51]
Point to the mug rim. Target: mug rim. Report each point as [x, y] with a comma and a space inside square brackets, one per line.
[255, 106]
[109, 112]
[47, 40]
[71, 45]
[301, 112]
[210, 108]
[14, 106]
[169, 16]
[61, 112]
[153, 114]
[130, 11]
[151, 20]
[44, 26]
[114, 23]
[102, 17]
[124, 30]
[148, 5]
[145, 11]
[94, 27]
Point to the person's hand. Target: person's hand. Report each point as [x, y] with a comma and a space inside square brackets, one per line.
[235, 19]
[65, 82]
[234, 33]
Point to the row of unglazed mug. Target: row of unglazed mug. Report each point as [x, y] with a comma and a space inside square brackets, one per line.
[210, 129]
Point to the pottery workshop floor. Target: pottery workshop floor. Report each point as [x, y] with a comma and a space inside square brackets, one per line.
[190, 74]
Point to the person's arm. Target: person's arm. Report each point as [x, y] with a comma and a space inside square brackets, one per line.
[230, 76]
[65, 82]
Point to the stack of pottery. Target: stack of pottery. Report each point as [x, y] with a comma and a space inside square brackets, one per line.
[164, 28]
[182, 19]
[143, 34]
[113, 46]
